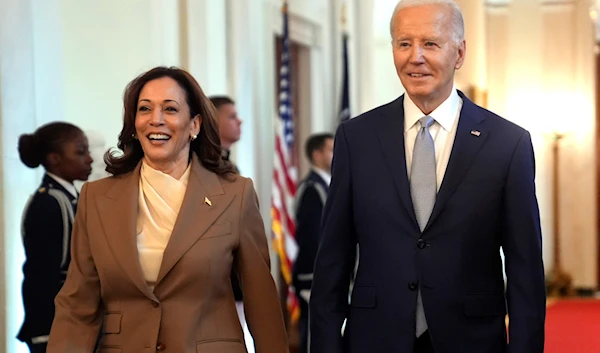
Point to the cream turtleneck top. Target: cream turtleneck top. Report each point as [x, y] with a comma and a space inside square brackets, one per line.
[159, 201]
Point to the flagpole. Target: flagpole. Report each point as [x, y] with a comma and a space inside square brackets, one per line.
[344, 18]
[344, 113]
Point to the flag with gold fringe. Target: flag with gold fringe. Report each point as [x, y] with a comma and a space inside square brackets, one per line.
[285, 178]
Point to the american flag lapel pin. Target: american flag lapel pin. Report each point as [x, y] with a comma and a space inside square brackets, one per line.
[475, 133]
[207, 201]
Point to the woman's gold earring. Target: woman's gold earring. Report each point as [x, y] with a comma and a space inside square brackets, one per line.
[194, 137]
[134, 136]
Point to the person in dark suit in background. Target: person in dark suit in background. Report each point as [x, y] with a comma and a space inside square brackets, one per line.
[62, 149]
[431, 187]
[230, 124]
[310, 200]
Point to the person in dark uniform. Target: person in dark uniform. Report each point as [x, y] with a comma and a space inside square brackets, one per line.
[62, 149]
[310, 199]
[230, 124]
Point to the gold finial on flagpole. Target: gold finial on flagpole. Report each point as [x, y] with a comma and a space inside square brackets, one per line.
[284, 7]
[344, 18]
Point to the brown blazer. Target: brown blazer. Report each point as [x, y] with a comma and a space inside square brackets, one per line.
[192, 309]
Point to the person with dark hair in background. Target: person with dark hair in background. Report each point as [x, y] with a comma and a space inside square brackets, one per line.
[230, 132]
[310, 200]
[230, 124]
[62, 149]
[154, 244]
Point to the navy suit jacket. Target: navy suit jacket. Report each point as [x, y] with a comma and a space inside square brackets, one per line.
[486, 202]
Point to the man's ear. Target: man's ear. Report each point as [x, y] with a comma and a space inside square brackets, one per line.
[462, 51]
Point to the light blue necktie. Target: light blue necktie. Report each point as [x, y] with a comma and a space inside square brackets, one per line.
[423, 191]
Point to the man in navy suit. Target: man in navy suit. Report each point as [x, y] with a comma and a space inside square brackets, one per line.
[430, 187]
[310, 200]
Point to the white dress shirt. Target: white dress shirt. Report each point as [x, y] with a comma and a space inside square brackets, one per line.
[65, 184]
[323, 174]
[443, 131]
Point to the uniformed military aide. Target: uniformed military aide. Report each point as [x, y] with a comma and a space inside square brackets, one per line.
[62, 149]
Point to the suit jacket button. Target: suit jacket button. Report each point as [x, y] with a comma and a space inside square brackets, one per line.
[413, 286]
[421, 244]
[160, 347]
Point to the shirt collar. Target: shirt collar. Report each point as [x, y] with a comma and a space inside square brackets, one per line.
[65, 184]
[445, 114]
[323, 174]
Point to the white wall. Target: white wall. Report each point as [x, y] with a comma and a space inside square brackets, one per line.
[541, 76]
[104, 46]
[385, 85]
[17, 113]
[204, 36]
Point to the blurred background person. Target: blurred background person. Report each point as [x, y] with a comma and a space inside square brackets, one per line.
[230, 124]
[310, 200]
[62, 149]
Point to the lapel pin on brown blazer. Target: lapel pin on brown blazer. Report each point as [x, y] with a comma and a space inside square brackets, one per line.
[207, 201]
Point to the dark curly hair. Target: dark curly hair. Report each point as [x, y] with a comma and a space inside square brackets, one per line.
[208, 144]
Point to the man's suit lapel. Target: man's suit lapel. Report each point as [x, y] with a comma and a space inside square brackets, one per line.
[204, 201]
[118, 213]
[470, 135]
[390, 131]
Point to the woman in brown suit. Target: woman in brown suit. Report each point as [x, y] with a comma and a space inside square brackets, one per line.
[154, 245]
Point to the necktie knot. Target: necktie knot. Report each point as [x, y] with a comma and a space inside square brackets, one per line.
[426, 122]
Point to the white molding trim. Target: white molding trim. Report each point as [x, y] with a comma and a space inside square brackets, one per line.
[498, 11]
[497, 3]
[557, 6]
[301, 29]
[557, 2]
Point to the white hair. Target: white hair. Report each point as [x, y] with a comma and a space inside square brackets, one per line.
[458, 24]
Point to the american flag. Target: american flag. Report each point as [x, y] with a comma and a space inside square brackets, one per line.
[284, 178]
